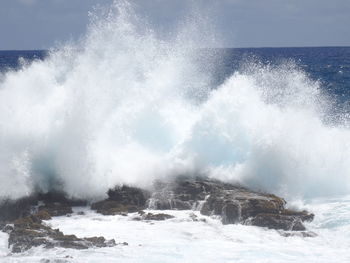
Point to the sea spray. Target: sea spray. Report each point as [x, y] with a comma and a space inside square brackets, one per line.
[124, 106]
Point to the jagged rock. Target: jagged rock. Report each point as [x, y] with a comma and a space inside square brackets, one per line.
[60, 198]
[299, 234]
[30, 232]
[238, 204]
[56, 209]
[235, 204]
[108, 207]
[122, 200]
[7, 228]
[277, 221]
[156, 217]
[11, 210]
[129, 196]
[54, 203]
[303, 215]
[43, 215]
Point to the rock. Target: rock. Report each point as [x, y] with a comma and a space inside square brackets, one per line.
[11, 210]
[61, 198]
[7, 228]
[156, 217]
[277, 221]
[54, 203]
[29, 232]
[233, 203]
[303, 215]
[122, 200]
[55, 209]
[108, 207]
[298, 234]
[239, 204]
[129, 196]
[43, 215]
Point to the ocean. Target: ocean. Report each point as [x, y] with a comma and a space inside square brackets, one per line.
[122, 106]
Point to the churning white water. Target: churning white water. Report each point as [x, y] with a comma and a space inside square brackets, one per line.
[123, 106]
[183, 240]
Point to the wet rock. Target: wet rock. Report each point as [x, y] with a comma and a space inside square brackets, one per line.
[43, 215]
[303, 215]
[108, 207]
[129, 196]
[55, 209]
[277, 221]
[30, 232]
[233, 203]
[156, 217]
[298, 234]
[239, 204]
[61, 198]
[11, 210]
[159, 202]
[7, 228]
[53, 203]
[122, 200]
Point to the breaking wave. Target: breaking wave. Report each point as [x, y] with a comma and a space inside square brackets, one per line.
[125, 106]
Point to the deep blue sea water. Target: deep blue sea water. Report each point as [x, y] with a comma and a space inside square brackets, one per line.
[11, 59]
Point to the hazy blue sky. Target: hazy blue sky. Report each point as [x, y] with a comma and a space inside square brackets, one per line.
[38, 24]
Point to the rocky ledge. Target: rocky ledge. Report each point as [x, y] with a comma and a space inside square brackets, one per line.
[234, 204]
[23, 219]
[30, 231]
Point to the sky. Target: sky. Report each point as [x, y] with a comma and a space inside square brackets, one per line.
[41, 24]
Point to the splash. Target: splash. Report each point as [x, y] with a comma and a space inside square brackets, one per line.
[124, 106]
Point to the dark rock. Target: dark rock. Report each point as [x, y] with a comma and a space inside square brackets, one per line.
[298, 234]
[303, 215]
[29, 232]
[141, 212]
[122, 200]
[129, 196]
[43, 215]
[160, 203]
[156, 217]
[239, 204]
[54, 203]
[56, 209]
[276, 221]
[11, 210]
[108, 207]
[7, 228]
[61, 198]
[231, 213]
[234, 203]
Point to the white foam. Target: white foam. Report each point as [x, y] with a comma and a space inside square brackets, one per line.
[181, 239]
[4, 244]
